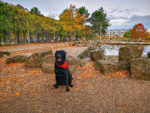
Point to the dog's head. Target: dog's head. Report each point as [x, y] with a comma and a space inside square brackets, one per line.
[60, 56]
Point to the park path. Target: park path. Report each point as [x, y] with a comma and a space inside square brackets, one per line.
[26, 90]
[32, 48]
[29, 90]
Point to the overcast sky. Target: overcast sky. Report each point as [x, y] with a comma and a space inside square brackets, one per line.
[123, 14]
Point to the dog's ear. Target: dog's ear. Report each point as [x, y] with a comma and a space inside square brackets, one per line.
[64, 53]
[56, 53]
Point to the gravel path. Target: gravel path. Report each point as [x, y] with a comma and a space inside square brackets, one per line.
[91, 94]
[32, 48]
[25, 90]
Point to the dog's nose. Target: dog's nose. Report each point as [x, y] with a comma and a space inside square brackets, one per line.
[58, 57]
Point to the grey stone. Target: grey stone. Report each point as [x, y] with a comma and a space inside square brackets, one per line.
[97, 55]
[126, 54]
[111, 58]
[48, 64]
[140, 68]
[106, 67]
[85, 53]
[17, 59]
[73, 62]
[35, 60]
[45, 53]
[2, 53]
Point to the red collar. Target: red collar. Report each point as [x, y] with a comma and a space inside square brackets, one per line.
[63, 65]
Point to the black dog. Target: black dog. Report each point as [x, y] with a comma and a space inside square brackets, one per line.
[62, 73]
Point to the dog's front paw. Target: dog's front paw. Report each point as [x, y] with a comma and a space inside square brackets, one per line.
[55, 85]
[70, 85]
[67, 89]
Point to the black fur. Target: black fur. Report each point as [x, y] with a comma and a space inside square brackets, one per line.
[63, 76]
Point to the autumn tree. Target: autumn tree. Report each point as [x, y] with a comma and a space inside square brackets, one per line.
[71, 20]
[138, 32]
[20, 25]
[5, 22]
[148, 35]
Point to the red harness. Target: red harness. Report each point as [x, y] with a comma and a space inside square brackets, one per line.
[63, 65]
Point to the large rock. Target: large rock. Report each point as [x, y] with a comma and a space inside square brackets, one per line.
[73, 62]
[4, 53]
[106, 67]
[35, 60]
[148, 54]
[97, 55]
[85, 53]
[111, 58]
[48, 64]
[126, 54]
[17, 59]
[44, 53]
[140, 68]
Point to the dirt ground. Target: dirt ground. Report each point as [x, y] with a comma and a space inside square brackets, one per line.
[26, 90]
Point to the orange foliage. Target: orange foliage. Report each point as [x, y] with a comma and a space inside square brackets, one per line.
[18, 94]
[122, 73]
[34, 71]
[87, 71]
[138, 32]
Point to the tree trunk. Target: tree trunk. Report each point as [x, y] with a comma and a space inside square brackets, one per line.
[47, 36]
[30, 38]
[37, 37]
[24, 37]
[0, 41]
[42, 35]
[4, 39]
[17, 38]
[64, 39]
[56, 38]
[8, 41]
[77, 37]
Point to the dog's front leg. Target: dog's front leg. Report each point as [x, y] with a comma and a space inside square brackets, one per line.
[67, 81]
[56, 78]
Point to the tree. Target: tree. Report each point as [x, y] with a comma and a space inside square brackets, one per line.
[72, 21]
[127, 34]
[36, 11]
[138, 32]
[99, 21]
[5, 22]
[21, 7]
[84, 11]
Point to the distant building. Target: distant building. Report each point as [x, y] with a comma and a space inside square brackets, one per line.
[116, 32]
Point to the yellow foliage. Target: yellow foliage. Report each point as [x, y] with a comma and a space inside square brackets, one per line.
[71, 20]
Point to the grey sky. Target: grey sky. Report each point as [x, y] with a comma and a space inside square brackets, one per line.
[123, 14]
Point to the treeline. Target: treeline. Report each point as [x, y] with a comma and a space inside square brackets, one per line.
[18, 25]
